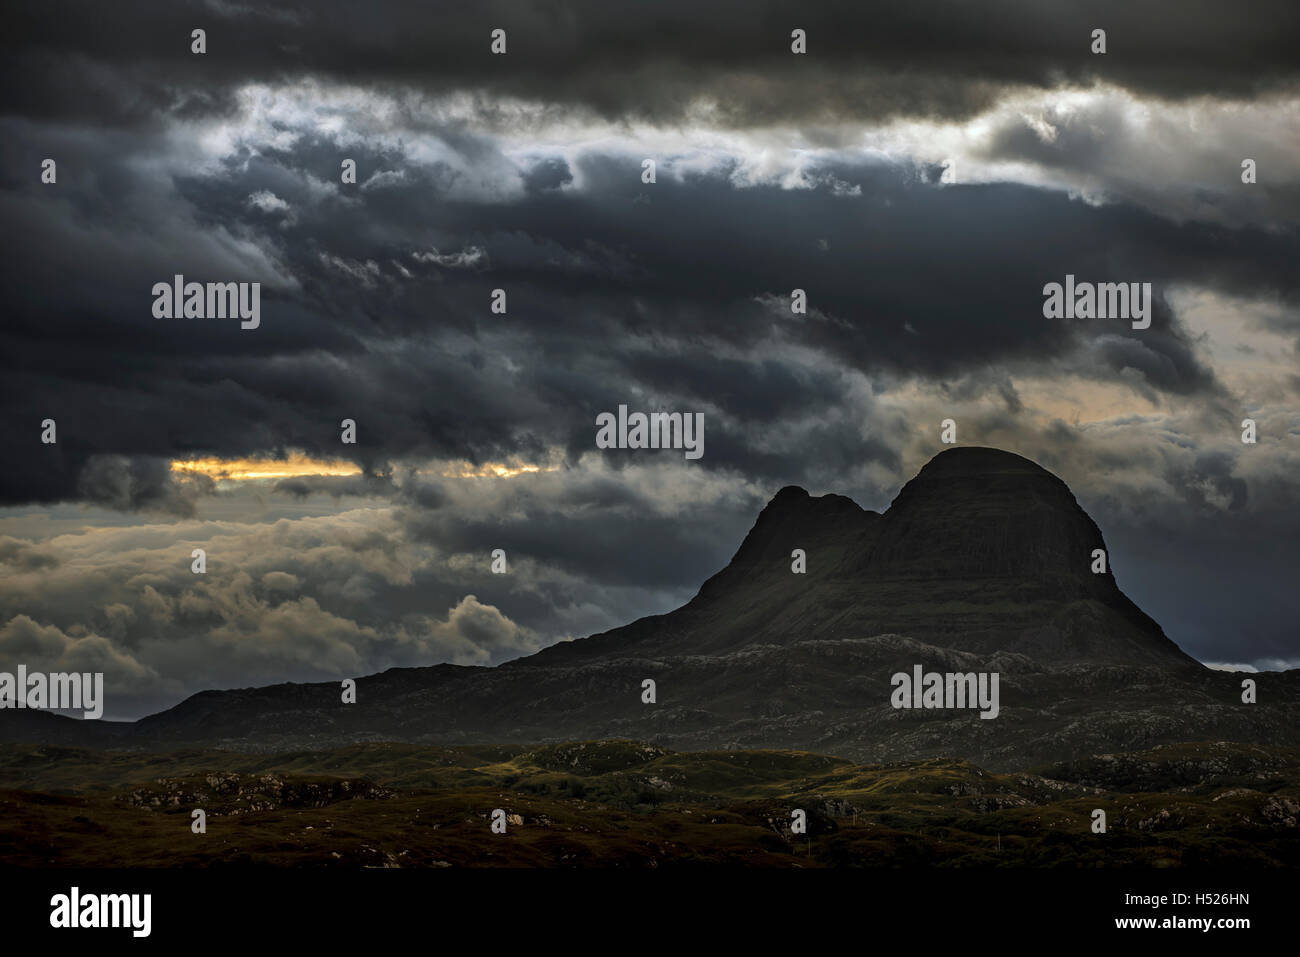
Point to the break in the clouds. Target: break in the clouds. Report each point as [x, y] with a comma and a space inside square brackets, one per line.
[921, 173]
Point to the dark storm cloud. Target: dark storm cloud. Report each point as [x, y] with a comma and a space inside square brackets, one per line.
[336, 486]
[619, 543]
[607, 295]
[81, 62]
[140, 484]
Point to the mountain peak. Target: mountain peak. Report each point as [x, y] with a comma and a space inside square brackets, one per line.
[824, 525]
[790, 493]
[977, 513]
[978, 459]
[981, 551]
[1001, 544]
[796, 519]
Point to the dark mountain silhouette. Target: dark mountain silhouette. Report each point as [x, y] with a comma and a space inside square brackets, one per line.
[982, 563]
[983, 551]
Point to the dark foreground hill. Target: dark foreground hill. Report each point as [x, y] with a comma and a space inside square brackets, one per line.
[981, 564]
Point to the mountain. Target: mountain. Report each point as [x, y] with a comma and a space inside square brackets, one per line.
[983, 563]
[983, 551]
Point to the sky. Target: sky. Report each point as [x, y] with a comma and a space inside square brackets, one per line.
[921, 172]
